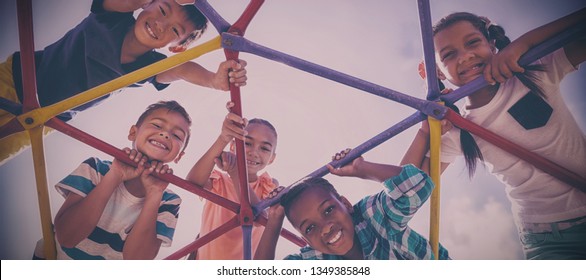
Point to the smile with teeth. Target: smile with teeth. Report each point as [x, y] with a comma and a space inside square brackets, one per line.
[150, 31]
[335, 238]
[252, 162]
[158, 144]
[474, 68]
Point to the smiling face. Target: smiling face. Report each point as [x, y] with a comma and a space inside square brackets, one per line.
[324, 221]
[161, 135]
[162, 23]
[260, 146]
[462, 52]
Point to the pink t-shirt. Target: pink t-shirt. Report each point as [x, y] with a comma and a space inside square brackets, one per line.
[229, 245]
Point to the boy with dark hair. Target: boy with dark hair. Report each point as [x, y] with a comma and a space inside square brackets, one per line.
[374, 228]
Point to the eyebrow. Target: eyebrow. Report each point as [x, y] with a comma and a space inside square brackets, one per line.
[472, 34]
[318, 207]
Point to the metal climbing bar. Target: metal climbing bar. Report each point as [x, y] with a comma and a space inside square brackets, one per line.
[530, 56]
[215, 233]
[41, 115]
[30, 102]
[433, 90]
[230, 41]
[538, 161]
[10, 106]
[246, 214]
[217, 21]
[353, 154]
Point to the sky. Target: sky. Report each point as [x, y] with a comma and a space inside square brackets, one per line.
[377, 41]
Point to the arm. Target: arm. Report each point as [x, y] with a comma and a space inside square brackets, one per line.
[231, 127]
[505, 62]
[125, 6]
[417, 151]
[270, 237]
[228, 72]
[142, 242]
[78, 216]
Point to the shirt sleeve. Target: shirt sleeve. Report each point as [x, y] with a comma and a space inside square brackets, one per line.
[167, 217]
[390, 210]
[84, 178]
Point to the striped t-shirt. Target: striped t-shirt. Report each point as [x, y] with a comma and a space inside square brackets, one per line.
[107, 240]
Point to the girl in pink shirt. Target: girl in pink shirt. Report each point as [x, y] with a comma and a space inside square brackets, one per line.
[260, 138]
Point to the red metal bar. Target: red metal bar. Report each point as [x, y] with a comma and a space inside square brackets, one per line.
[538, 161]
[10, 127]
[24, 10]
[284, 232]
[229, 225]
[239, 27]
[120, 155]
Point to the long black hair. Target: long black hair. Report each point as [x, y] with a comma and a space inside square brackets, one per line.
[493, 33]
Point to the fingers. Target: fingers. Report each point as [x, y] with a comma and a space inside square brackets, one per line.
[275, 192]
[342, 154]
[236, 72]
[234, 127]
[159, 168]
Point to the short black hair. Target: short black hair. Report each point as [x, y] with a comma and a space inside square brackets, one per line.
[302, 185]
[171, 106]
[199, 21]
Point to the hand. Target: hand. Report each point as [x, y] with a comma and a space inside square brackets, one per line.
[505, 63]
[351, 169]
[227, 163]
[127, 172]
[233, 126]
[230, 71]
[446, 125]
[153, 185]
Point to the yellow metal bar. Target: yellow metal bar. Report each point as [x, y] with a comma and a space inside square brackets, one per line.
[435, 132]
[36, 135]
[40, 116]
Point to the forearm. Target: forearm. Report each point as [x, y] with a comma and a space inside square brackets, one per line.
[376, 171]
[546, 31]
[190, 72]
[200, 172]
[268, 241]
[417, 150]
[142, 242]
[78, 220]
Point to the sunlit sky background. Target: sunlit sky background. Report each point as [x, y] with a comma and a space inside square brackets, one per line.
[378, 41]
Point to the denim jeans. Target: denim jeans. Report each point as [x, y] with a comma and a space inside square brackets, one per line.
[557, 244]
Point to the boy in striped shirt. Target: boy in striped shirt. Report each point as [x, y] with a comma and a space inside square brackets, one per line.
[116, 211]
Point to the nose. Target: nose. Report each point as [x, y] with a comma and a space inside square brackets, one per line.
[465, 57]
[326, 229]
[164, 135]
[160, 25]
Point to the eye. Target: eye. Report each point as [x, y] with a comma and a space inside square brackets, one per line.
[176, 31]
[309, 229]
[156, 125]
[447, 55]
[473, 42]
[178, 137]
[248, 144]
[329, 210]
[162, 11]
[266, 149]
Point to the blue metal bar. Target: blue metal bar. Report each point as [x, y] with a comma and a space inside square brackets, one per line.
[10, 106]
[217, 21]
[433, 91]
[353, 154]
[234, 42]
[533, 54]
[247, 242]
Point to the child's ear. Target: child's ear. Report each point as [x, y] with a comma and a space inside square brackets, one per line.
[179, 157]
[347, 203]
[132, 133]
[272, 158]
[440, 75]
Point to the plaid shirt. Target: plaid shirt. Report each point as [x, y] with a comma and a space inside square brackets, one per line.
[380, 221]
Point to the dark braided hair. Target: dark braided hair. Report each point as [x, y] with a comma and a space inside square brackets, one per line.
[496, 33]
